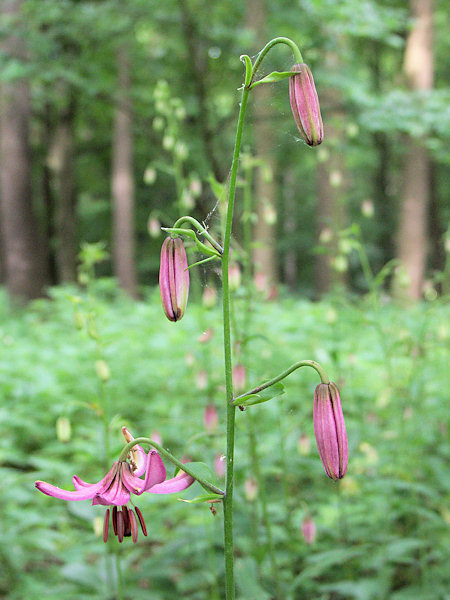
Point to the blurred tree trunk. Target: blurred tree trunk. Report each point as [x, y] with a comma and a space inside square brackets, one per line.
[123, 180]
[47, 195]
[61, 162]
[264, 253]
[25, 267]
[381, 192]
[412, 234]
[331, 177]
[197, 66]
[290, 265]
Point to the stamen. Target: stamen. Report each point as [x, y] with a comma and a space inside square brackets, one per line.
[133, 525]
[114, 519]
[106, 526]
[141, 520]
[120, 526]
[126, 522]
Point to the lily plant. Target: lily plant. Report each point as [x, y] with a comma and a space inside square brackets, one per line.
[137, 471]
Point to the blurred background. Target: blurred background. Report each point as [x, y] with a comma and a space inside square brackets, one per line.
[116, 119]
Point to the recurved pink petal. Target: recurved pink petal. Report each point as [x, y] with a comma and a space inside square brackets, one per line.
[171, 486]
[86, 493]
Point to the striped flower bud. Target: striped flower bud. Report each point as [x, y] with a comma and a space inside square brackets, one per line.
[305, 105]
[173, 278]
[329, 429]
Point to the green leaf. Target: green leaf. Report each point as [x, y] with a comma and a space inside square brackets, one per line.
[275, 390]
[273, 77]
[203, 498]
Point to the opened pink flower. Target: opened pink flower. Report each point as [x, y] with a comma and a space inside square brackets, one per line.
[116, 488]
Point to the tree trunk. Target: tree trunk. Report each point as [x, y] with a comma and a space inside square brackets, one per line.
[197, 65]
[290, 217]
[331, 180]
[412, 233]
[24, 257]
[123, 182]
[331, 215]
[264, 253]
[61, 162]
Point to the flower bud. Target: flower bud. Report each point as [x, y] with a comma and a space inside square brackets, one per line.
[205, 336]
[329, 429]
[102, 370]
[220, 464]
[63, 429]
[239, 378]
[209, 298]
[305, 105]
[251, 489]
[309, 530]
[211, 418]
[156, 437]
[173, 278]
[154, 227]
[234, 276]
[202, 380]
[304, 444]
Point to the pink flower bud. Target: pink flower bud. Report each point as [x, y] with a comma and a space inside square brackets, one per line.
[202, 380]
[209, 297]
[329, 429]
[204, 337]
[219, 465]
[234, 276]
[304, 444]
[173, 278]
[211, 418]
[251, 489]
[239, 378]
[156, 437]
[305, 105]
[309, 530]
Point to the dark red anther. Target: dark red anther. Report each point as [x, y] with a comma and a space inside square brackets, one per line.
[126, 522]
[114, 519]
[106, 526]
[120, 526]
[133, 525]
[141, 520]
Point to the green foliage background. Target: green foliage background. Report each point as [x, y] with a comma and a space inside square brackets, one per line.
[381, 531]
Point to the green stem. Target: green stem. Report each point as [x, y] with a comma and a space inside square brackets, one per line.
[231, 410]
[302, 363]
[143, 440]
[278, 40]
[202, 230]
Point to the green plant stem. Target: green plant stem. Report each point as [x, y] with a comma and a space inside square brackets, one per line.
[278, 40]
[231, 410]
[143, 440]
[301, 363]
[202, 230]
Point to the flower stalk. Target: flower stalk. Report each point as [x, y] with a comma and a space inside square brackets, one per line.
[301, 363]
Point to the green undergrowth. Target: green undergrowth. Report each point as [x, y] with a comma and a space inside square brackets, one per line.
[381, 531]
